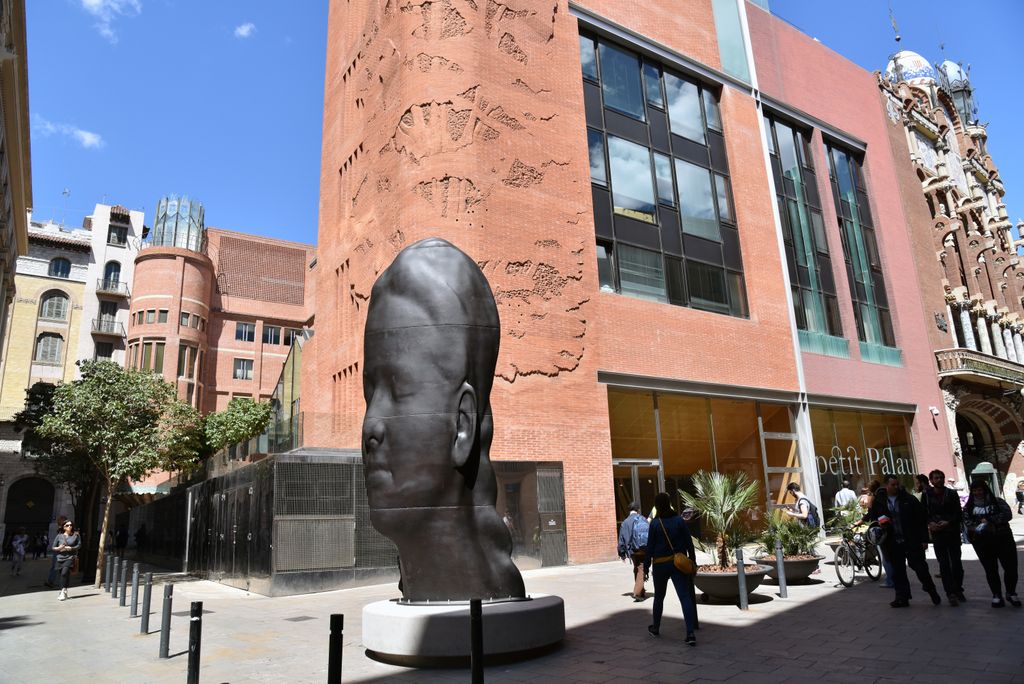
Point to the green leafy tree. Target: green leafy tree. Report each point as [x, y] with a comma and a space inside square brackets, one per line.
[242, 420]
[723, 501]
[128, 423]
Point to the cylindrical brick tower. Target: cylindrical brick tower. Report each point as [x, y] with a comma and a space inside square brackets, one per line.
[170, 309]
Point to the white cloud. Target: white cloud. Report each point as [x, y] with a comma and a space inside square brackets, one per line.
[86, 139]
[245, 30]
[106, 11]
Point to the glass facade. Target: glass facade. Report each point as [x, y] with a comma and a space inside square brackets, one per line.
[672, 436]
[860, 446]
[178, 223]
[663, 213]
[815, 305]
[863, 262]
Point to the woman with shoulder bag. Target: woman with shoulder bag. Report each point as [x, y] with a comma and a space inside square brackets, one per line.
[66, 544]
[668, 539]
[987, 518]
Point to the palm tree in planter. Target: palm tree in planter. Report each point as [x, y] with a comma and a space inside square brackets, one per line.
[799, 547]
[724, 501]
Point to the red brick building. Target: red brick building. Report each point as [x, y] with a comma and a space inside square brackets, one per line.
[213, 310]
[690, 218]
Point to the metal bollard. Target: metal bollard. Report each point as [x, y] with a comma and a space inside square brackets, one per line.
[741, 575]
[334, 654]
[147, 595]
[108, 559]
[123, 595]
[780, 569]
[165, 622]
[113, 586]
[195, 638]
[135, 591]
[476, 641]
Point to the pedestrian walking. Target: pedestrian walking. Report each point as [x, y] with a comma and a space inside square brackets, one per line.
[844, 495]
[633, 535]
[42, 544]
[1020, 497]
[19, 545]
[944, 519]
[905, 523]
[987, 518]
[66, 544]
[51, 578]
[668, 536]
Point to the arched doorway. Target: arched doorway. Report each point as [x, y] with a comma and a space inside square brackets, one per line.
[29, 505]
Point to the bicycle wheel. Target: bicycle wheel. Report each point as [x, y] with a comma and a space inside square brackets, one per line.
[846, 566]
[872, 562]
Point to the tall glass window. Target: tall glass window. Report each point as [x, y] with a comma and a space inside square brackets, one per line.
[664, 215]
[632, 185]
[620, 82]
[815, 304]
[860, 249]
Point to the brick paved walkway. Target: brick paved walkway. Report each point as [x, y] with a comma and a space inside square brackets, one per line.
[822, 632]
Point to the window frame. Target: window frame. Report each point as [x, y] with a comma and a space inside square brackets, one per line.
[55, 268]
[271, 331]
[242, 368]
[41, 345]
[245, 332]
[52, 295]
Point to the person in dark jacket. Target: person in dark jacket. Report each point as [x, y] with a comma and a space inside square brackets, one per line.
[987, 518]
[905, 521]
[669, 535]
[944, 518]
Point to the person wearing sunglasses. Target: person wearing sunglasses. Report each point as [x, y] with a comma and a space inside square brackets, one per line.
[66, 544]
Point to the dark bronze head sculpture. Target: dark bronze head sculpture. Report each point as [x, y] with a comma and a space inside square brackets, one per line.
[430, 348]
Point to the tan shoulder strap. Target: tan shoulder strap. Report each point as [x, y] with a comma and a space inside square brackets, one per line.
[667, 538]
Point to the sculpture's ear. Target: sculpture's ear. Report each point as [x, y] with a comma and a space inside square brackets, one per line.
[465, 426]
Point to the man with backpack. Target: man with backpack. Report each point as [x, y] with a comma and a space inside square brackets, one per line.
[805, 509]
[633, 543]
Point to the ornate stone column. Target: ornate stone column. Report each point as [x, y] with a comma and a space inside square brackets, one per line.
[951, 321]
[951, 400]
[997, 341]
[1018, 345]
[1011, 352]
[983, 338]
[967, 328]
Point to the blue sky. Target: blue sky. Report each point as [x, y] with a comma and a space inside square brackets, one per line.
[134, 99]
[985, 35]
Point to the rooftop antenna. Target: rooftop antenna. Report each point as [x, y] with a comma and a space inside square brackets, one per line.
[64, 215]
[898, 69]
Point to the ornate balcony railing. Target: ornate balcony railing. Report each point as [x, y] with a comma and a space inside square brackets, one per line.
[107, 326]
[969, 362]
[111, 287]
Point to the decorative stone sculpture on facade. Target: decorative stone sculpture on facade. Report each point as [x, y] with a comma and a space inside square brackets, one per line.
[431, 345]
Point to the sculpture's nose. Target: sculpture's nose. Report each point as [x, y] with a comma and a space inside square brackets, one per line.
[373, 434]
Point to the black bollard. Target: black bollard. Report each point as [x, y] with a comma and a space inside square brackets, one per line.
[334, 655]
[165, 622]
[147, 595]
[476, 641]
[135, 591]
[780, 569]
[113, 586]
[195, 638]
[108, 559]
[741, 576]
[123, 591]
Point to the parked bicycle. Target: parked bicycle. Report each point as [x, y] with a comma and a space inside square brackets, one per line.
[856, 552]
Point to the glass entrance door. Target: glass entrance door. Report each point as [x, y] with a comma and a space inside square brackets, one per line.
[635, 480]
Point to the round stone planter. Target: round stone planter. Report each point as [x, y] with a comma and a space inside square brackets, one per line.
[724, 586]
[797, 569]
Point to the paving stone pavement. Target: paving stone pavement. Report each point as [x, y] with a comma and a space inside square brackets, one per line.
[822, 632]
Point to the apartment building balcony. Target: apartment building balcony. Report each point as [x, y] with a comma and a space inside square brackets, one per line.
[112, 288]
[967, 364]
[107, 327]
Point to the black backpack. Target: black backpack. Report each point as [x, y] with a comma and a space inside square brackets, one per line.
[813, 517]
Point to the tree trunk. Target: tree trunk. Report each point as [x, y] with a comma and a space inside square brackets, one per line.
[111, 486]
[88, 526]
